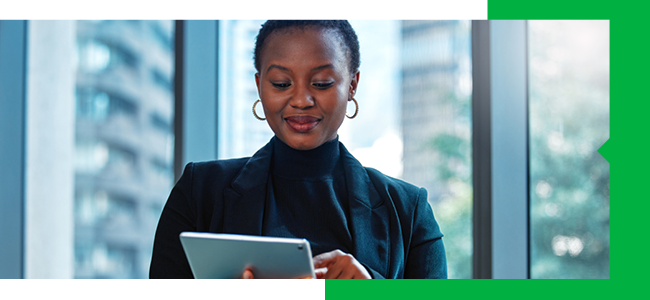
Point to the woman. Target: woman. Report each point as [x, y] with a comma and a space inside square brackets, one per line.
[304, 183]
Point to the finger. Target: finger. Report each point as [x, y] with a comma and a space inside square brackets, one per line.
[248, 274]
[346, 267]
[348, 272]
[320, 273]
[323, 263]
[362, 274]
[324, 259]
[333, 271]
[356, 271]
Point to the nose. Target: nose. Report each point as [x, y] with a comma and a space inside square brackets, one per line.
[302, 98]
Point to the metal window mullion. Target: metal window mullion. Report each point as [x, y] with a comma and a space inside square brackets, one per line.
[179, 34]
[481, 152]
[500, 150]
[12, 147]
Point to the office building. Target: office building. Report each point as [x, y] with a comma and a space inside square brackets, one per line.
[436, 103]
[240, 134]
[123, 144]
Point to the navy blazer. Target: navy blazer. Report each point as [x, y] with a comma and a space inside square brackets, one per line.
[393, 229]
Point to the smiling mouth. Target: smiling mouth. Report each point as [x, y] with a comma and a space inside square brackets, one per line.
[302, 124]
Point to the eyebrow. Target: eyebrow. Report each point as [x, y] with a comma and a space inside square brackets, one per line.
[327, 66]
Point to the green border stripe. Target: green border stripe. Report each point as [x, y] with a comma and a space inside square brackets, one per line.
[552, 9]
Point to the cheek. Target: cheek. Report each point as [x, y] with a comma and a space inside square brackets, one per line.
[338, 111]
[341, 109]
[341, 98]
[274, 124]
[272, 103]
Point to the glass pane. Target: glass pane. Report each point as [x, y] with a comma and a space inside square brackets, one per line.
[123, 143]
[414, 120]
[569, 121]
[436, 93]
[240, 134]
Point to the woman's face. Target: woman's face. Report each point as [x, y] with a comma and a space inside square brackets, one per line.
[305, 85]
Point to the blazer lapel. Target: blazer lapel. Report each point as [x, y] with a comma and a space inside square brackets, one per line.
[244, 200]
[368, 216]
[369, 224]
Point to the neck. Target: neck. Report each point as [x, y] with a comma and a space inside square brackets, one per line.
[318, 163]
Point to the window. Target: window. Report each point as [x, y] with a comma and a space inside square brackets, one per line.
[103, 127]
[124, 83]
[569, 121]
[240, 134]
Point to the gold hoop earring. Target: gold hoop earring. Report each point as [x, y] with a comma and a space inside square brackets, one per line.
[255, 113]
[356, 110]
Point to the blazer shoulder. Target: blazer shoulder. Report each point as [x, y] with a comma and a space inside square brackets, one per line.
[214, 170]
[393, 185]
[218, 166]
[406, 197]
[410, 201]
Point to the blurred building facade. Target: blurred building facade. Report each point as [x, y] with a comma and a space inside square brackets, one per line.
[436, 99]
[436, 127]
[240, 134]
[123, 143]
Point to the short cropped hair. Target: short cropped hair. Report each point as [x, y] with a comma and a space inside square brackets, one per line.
[341, 27]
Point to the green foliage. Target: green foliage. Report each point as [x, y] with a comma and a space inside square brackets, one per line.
[454, 208]
[454, 154]
[454, 214]
[569, 180]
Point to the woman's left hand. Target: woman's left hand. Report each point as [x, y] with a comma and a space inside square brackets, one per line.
[339, 265]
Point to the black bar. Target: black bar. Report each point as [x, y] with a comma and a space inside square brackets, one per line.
[481, 151]
[179, 34]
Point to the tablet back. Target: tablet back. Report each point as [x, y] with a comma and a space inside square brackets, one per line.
[222, 256]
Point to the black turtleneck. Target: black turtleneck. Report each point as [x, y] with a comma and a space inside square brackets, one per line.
[307, 197]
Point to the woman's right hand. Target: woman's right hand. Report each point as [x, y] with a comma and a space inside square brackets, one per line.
[338, 264]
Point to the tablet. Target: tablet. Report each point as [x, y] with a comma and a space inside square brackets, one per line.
[224, 256]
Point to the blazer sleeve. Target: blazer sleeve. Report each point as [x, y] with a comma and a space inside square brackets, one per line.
[374, 274]
[168, 258]
[426, 255]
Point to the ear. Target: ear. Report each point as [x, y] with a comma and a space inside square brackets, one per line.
[257, 84]
[353, 86]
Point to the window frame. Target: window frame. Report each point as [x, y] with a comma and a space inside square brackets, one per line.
[12, 146]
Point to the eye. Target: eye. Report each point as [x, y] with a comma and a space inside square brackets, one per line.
[281, 85]
[322, 85]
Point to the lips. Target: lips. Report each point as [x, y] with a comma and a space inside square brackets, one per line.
[302, 124]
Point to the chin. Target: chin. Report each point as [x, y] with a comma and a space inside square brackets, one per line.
[303, 143]
[302, 146]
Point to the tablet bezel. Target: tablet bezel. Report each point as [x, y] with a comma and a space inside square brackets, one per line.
[225, 256]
